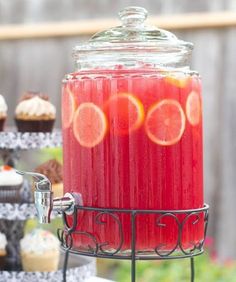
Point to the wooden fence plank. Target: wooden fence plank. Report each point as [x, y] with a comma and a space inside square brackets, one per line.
[88, 27]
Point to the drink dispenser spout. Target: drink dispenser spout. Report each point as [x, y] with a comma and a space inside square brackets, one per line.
[44, 201]
[43, 195]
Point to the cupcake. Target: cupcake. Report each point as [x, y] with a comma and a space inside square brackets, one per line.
[34, 113]
[53, 170]
[3, 112]
[40, 251]
[11, 185]
[3, 253]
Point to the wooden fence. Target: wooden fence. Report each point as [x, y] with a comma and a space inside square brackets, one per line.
[89, 27]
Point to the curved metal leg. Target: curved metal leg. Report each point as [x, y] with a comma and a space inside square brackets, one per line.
[65, 265]
[192, 269]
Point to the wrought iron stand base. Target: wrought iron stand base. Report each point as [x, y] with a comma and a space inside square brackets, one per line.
[192, 218]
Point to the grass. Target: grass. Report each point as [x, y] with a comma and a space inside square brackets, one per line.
[206, 270]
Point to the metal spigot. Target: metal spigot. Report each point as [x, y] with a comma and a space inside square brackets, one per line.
[43, 198]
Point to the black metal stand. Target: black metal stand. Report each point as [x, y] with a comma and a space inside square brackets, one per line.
[194, 219]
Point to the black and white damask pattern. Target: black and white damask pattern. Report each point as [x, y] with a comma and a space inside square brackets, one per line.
[17, 211]
[74, 274]
[30, 140]
[20, 211]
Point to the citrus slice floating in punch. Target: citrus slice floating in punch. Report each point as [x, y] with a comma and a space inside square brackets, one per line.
[68, 107]
[89, 125]
[193, 108]
[125, 113]
[177, 80]
[165, 122]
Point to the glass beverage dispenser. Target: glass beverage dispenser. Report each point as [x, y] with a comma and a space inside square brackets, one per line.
[132, 134]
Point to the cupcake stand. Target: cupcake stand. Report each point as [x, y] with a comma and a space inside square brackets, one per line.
[14, 216]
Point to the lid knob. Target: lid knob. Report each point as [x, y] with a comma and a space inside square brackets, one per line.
[133, 16]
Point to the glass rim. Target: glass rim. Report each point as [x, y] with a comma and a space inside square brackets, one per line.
[131, 46]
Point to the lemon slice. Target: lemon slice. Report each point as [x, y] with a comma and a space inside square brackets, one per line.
[125, 113]
[165, 122]
[89, 125]
[193, 108]
[68, 107]
[180, 81]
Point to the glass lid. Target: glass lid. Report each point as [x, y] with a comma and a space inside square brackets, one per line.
[133, 44]
[134, 33]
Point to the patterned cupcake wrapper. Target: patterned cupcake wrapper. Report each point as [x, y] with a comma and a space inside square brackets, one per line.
[2, 122]
[2, 262]
[34, 125]
[11, 194]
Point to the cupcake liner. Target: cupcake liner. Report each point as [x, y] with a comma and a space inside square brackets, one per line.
[2, 122]
[2, 262]
[34, 125]
[48, 261]
[10, 194]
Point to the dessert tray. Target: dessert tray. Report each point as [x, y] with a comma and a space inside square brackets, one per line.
[14, 215]
[79, 270]
[30, 140]
[20, 211]
[17, 211]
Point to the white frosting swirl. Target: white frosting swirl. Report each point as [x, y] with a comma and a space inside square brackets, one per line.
[3, 106]
[39, 241]
[35, 106]
[3, 241]
[8, 176]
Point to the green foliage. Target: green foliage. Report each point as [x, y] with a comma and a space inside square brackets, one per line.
[206, 269]
[33, 223]
[51, 153]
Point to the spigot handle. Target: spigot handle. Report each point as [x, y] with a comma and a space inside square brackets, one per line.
[42, 180]
[43, 197]
[37, 176]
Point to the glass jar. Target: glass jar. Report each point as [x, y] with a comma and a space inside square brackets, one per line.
[132, 134]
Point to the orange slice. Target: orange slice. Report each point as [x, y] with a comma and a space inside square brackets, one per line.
[165, 122]
[177, 80]
[193, 108]
[68, 107]
[89, 125]
[125, 113]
